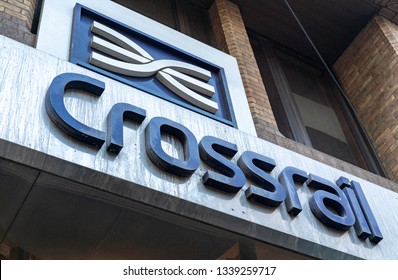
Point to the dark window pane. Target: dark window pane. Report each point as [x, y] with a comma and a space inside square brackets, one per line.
[267, 68]
[177, 14]
[159, 10]
[330, 145]
[194, 21]
[312, 95]
[304, 102]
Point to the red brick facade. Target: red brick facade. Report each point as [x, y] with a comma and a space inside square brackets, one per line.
[368, 71]
[16, 18]
[231, 37]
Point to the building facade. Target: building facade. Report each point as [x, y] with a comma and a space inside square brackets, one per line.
[198, 129]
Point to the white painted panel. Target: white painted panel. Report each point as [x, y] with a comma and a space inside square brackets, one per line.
[25, 75]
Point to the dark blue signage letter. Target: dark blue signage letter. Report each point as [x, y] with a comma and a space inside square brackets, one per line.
[212, 151]
[118, 113]
[329, 195]
[153, 146]
[288, 176]
[255, 166]
[365, 224]
[58, 113]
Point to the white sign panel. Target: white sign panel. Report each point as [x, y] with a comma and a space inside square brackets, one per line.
[204, 169]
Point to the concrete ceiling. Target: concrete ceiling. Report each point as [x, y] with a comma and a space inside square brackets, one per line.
[50, 217]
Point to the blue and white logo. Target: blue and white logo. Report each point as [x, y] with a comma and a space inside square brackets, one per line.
[129, 56]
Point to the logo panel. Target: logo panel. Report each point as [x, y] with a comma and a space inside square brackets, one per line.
[125, 54]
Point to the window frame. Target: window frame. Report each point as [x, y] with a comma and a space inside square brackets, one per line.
[182, 22]
[290, 123]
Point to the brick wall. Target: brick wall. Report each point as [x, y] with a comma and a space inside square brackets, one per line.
[231, 37]
[368, 71]
[16, 20]
[388, 9]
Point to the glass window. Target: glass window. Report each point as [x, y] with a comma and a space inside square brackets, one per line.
[180, 15]
[312, 94]
[308, 106]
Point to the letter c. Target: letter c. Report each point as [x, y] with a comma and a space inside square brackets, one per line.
[58, 113]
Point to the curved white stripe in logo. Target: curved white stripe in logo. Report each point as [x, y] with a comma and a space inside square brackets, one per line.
[131, 60]
[147, 69]
[116, 51]
[186, 93]
[191, 83]
[118, 39]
